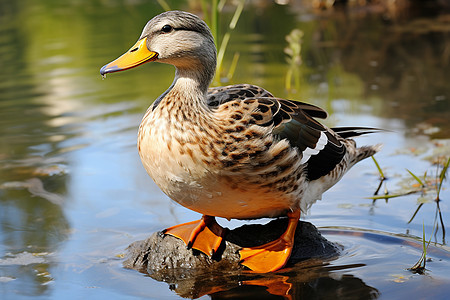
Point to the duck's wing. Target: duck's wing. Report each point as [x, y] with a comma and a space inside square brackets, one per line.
[220, 95]
[321, 149]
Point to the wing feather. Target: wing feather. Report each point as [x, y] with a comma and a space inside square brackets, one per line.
[220, 95]
[320, 148]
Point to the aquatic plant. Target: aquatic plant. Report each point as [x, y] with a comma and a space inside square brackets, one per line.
[294, 59]
[432, 185]
[382, 178]
[425, 186]
[222, 47]
[419, 266]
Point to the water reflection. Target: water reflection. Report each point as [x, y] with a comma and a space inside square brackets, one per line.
[33, 223]
[312, 279]
[339, 278]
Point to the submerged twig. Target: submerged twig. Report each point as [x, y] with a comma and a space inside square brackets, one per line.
[378, 188]
[442, 221]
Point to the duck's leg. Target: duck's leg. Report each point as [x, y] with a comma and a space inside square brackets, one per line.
[204, 234]
[274, 255]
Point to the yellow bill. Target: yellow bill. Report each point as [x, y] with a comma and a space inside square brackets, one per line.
[137, 55]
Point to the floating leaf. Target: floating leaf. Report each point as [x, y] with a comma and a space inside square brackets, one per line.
[399, 278]
[424, 199]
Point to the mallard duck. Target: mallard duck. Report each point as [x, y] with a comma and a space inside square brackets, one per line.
[235, 152]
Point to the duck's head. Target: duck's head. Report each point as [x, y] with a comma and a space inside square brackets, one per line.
[174, 37]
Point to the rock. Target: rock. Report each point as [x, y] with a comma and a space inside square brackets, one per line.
[160, 253]
[192, 274]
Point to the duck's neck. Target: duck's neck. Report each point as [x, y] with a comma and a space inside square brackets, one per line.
[188, 89]
[189, 80]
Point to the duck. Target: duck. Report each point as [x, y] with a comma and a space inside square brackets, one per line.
[236, 151]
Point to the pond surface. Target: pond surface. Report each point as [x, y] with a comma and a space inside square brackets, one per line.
[73, 193]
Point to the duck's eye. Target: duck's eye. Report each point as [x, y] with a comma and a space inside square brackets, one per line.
[166, 28]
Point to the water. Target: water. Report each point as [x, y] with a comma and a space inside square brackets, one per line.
[73, 193]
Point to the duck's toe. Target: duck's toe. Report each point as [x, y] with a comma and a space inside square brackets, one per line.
[204, 235]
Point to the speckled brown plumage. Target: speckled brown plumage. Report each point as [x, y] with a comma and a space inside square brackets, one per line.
[237, 141]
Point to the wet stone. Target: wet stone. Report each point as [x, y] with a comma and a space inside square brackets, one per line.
[165, 257]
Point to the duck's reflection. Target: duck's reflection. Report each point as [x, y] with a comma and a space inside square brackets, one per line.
[311, 279]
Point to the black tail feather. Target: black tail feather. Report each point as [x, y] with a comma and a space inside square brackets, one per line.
[348, 132]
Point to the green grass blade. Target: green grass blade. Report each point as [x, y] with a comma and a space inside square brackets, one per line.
[221, 53]
[415, 213]
[423, 242]
[237, 14]
[164, 5]
[444, 170]
[233, 66]
[215, 20]
[221, 5]
[226, 38]
[419, 266]
[416, 178]
[390, 195]
[378, 167]
[206, 17]
[442, 177]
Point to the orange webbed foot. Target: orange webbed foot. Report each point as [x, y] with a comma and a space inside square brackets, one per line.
[204, 235]
[268, 257]
[273, 255]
